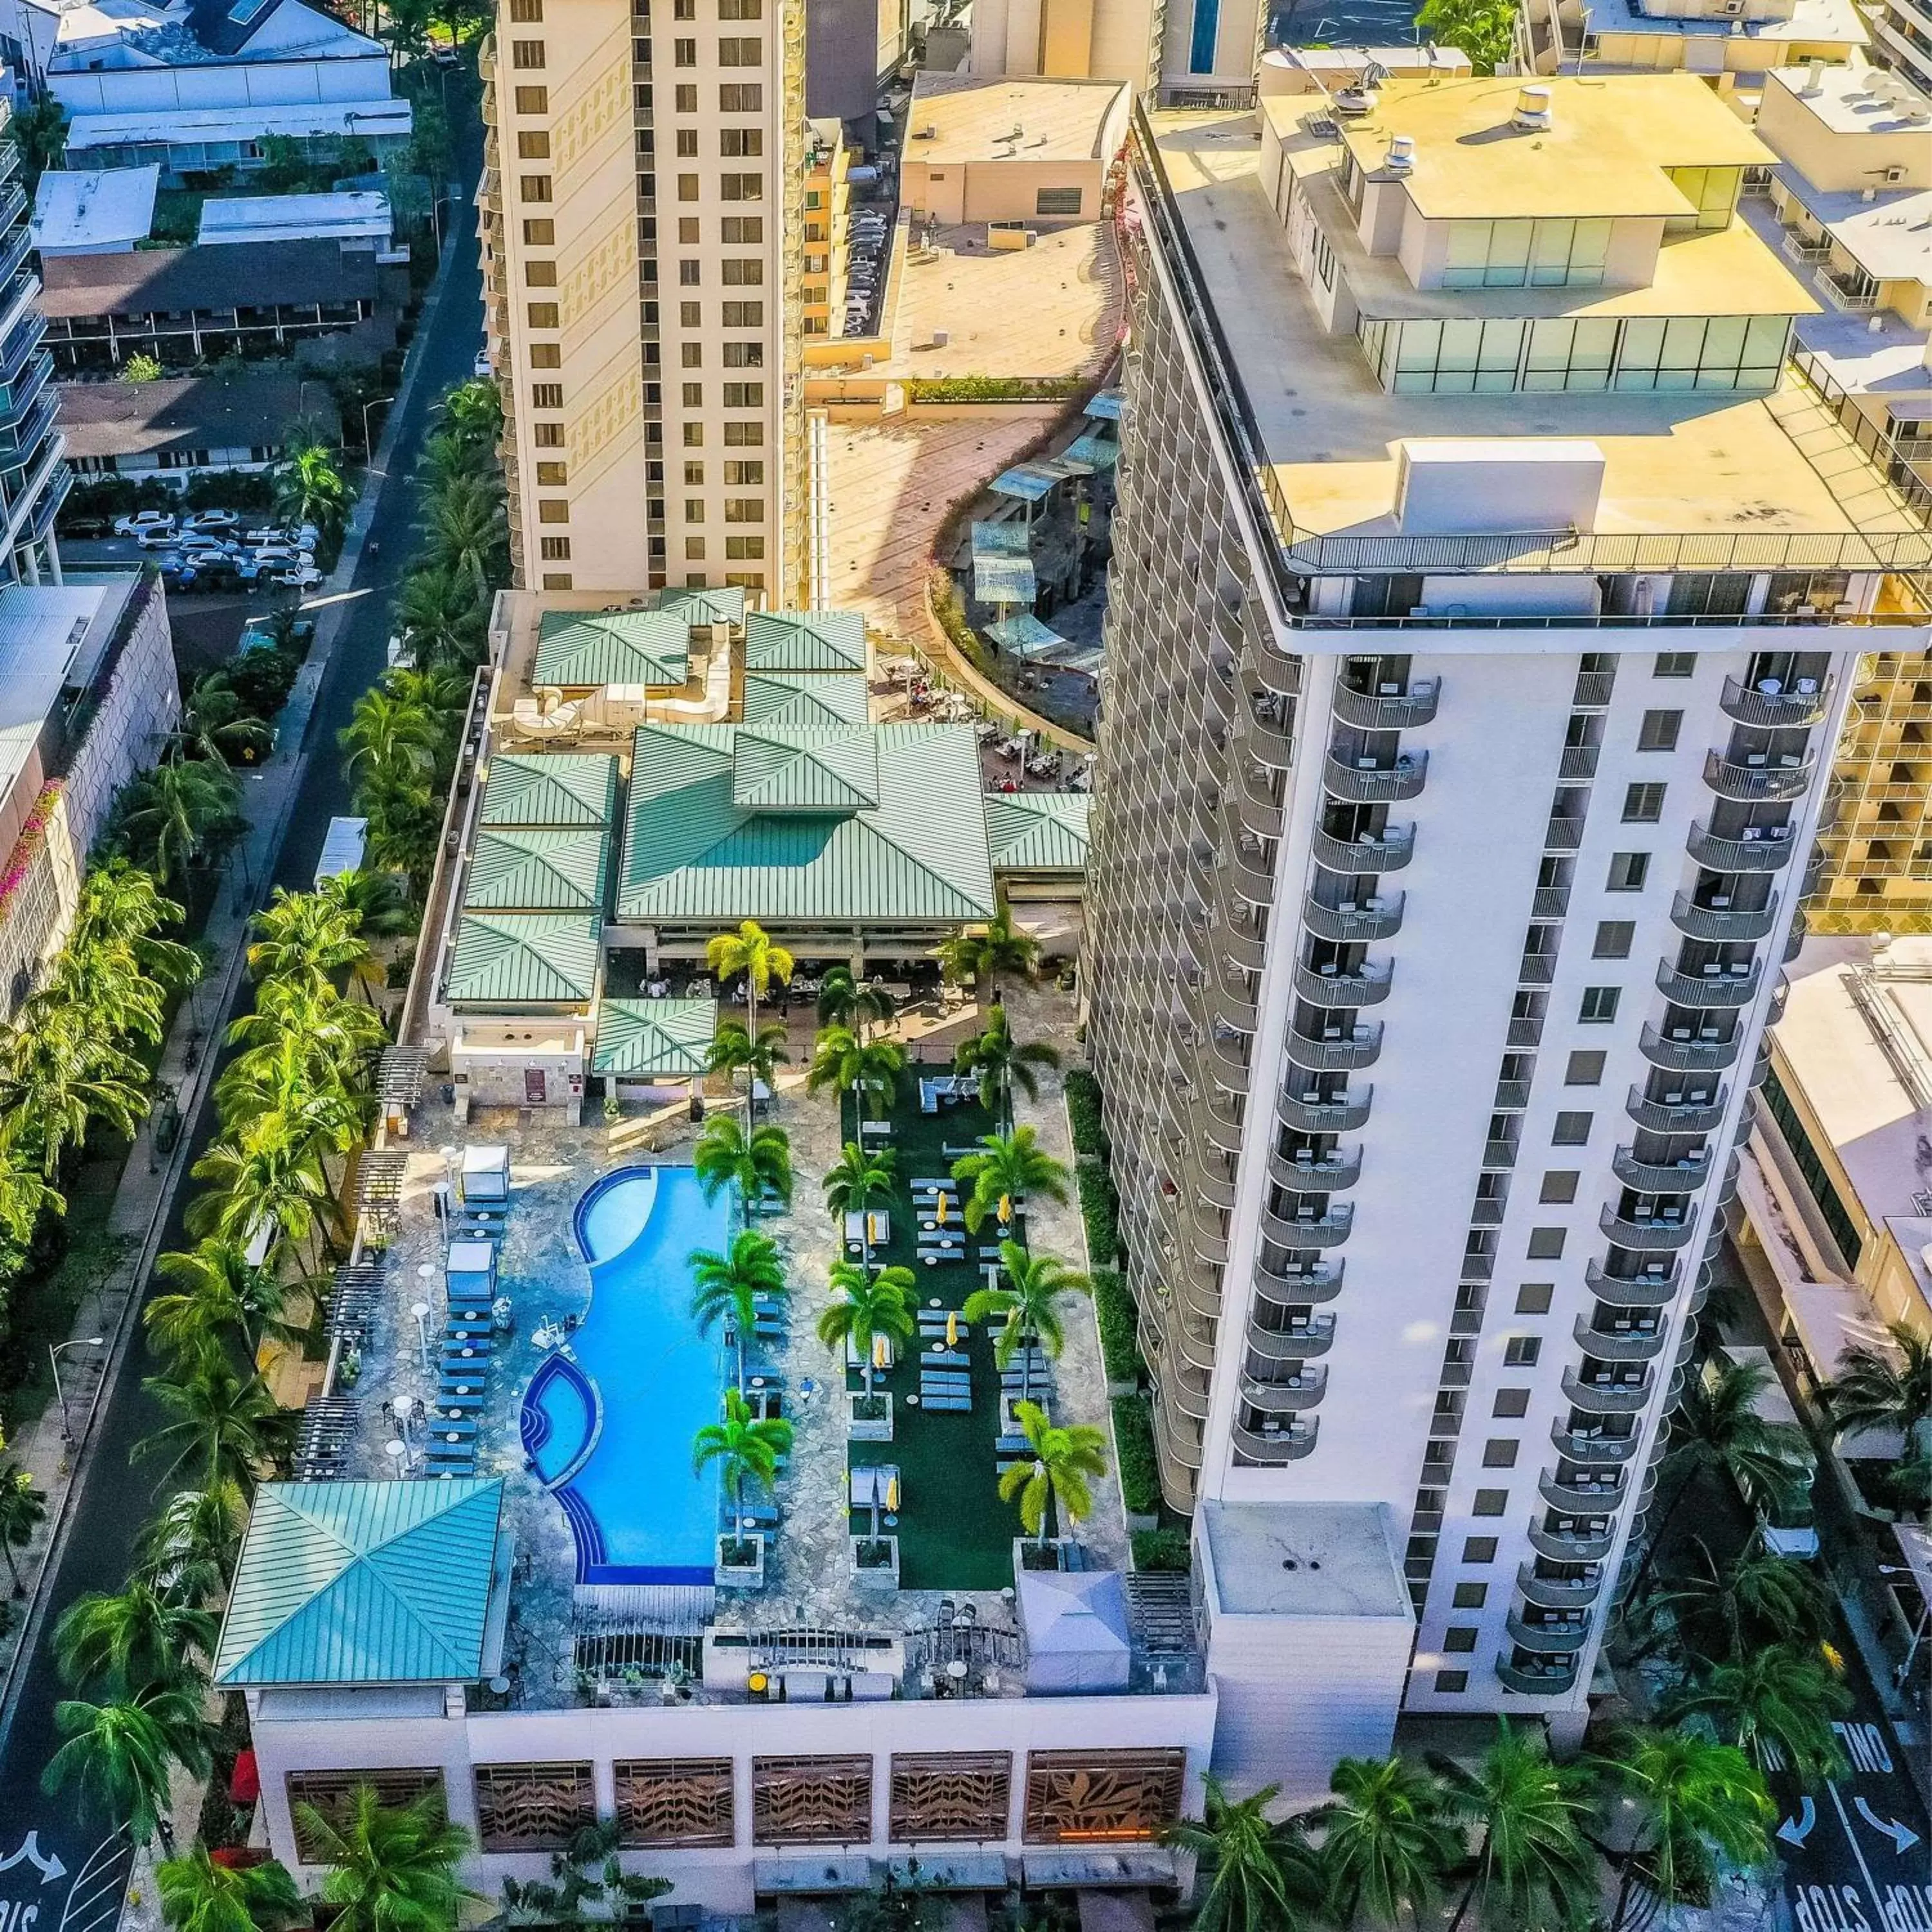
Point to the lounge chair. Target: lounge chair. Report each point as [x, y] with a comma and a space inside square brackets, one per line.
[870, 1483]
[448, 1457]
[944, 1358]
[947, 1404]
[959, 1378]
[1013, 1445]
[444, 1433]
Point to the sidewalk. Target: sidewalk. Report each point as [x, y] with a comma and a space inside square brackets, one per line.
[149, 1180]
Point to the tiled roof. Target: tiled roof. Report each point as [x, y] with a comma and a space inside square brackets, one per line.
[804, 771]
[805, 640]
[524, 958]
[796, 700]
[144, 280]
[691, 853]
[385, 1582]
[583, 648]
[553, 788]
[654, 1038]
[539, 869]
[1037, 831]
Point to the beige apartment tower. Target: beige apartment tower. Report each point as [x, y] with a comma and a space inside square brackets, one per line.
[641, 211]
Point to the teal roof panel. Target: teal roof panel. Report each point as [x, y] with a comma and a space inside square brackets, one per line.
[1001, 539]
[714, 606]
[805, 640]
[1037, 831]
[804, 701]
[580, 649]
[539, 869]
[551, 788]
[524, 958]
[654, 1040]
[1023, 634]
[1004, 580]
[804, 771]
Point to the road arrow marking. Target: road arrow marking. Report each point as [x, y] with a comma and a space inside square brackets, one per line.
[1795, 1831]
[48, 1864]
[1903, 1837]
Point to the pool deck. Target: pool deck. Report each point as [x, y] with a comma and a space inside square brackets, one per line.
[956, 1531]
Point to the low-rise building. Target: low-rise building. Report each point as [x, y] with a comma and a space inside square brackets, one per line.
[828, 226]
[181, 425]
[1903, 30]
[1192, 53]
[356, 221]
[93, 210]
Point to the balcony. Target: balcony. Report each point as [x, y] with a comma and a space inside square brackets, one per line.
[1255, 806]
[1780, 708]
[1711, 987]
[1264, 739]
[1250, 873]
[1582, 1446]
[1576, 1497]
[1388, 709]
[1227, 1054]
[1606, 1398]
[1627, 1291]
[1219, 1116]
[1215, 1188]
[1677, 1117]
[1298, 1344]
[1650, 1235]
[1570, 1546]
[1790, 778]
[1558, 1593]
[1687, 1055]
[1311, 1283]
[1557, 1639]
[1286, 1395]
[1549, 1679]
[1270, 1447]
[1367, 783]
[1327, 987]
[1355, 923]
[1770, 854]
[1661, 1178]
[1309, 1229]
[1338, 1172]
[1350, 1048]
[1719, 923]
[1630, 1344]
[1366, 854]
[1344, 1115]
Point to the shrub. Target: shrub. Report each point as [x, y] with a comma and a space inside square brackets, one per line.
[991, 388]
[1114, 1311]
[1100, 1213]
[1163, 1550]
[1083, 1113]
[263, 679]
[1133, 1443]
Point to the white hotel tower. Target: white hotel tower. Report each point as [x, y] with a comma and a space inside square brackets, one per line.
[1486, 589]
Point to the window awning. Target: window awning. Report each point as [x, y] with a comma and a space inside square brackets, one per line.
[1024, 635]
[1105, 407]
[995, 539]
[1097, 452]
[1005, 580]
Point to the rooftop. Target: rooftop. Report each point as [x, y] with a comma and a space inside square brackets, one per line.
[45, 637]
[582, 649]
[147, 279]
[976, 118]
[251, 409]
[369, 120]
[1832, 24]
[182, 32]
[1854, 98]
[348, 216]
[1305, 1560]
[94, 208]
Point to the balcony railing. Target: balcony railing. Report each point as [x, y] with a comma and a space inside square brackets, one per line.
[1778, 709]
[1351, 1047]
[1389, 853]
[1722, 924]
[1388, 711]
[1355, 923]
[1576, 1496]
[1293, 1345]
[1268, 1447]
[1676, 1117]
[1313, 1283]
[1660, 1176]
[1611, 1397]
[1368, 988]
[1750, 782]
[1343, 1115]
[1558, 1593]
[1335, 1175]
[1285, 1394]
[1770, 854]
[1643, 1291]
[1582, 1446]
[1687, 1056]
[1548, 1679]
[1327, 1229]
[1619, 1344]
[1569, 1546]
[1558, 1639]
[1712, 987]
[1369, 784]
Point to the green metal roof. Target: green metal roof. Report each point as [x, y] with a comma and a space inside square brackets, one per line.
[805, 640]
[577, 648]
[362, 1583]
[1037, 831]
[654, 1040]
[524, 958]
[551, 788]
[804, 771]
[691, 852]
[539, 869]
[705, 607]
[803, 701]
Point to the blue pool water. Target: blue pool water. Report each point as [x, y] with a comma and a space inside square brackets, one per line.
[610, 1433]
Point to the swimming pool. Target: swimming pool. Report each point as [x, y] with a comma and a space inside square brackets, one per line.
[610, 1434]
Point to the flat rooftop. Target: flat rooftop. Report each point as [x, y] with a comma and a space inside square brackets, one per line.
[350, 216]
[43, 634]
[1889, 237]
[1813, 22]
[975, 118]
[95, 207]
[1675, 463]
[1855, 98]
[1304, 1560]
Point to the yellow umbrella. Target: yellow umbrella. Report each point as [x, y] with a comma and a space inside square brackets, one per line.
[880, 1357]
[952, 1327]
[892, 1495]
[939, 1211]
[1006, 1207]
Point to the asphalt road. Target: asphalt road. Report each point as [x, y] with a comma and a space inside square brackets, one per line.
[61, 1871]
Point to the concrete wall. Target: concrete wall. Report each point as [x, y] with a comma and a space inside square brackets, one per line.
[222, 84]
[1001, 190]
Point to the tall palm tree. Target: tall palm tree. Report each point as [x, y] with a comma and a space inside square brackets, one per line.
[1752, 1599]
[271, 1176]
[743, 1446]
[304, 936]
[374, 899]
[59, 1075]
[1534, 1868]
[441, 616]
[189, 1548]
[985, 954]
[117, 1756]
[1000, 1063]
[23, 1510]
[198, 1895]
[870, 1068]
[1065, 1459]
[869, 1305]
[224, 1427]
[846, 1001]
[1388, 1841]
[405, 824]
[751, 951]
[1027, 1307]
[178, 814]
[474, 411]
[132, 1639]
[758, 1163]
[729, 1284]
[122, 904]
[466, 533]
[733, 1051]
[1253, 1873]
[309, 489]
[1888, 1390]
[1777, 1704]
[1695, 1805]
[218, 1292]
[25, 1192]
[386, 734]
[855, 1184]
[216, 727]
[1007, 1168]
[392, 1868]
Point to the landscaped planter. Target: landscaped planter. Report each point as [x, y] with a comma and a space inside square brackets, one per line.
[1029, 1553]
[740, 1563]
[1138, 1520]
[875, 1560]
[861, 1428]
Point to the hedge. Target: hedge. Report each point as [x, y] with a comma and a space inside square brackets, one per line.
[1163, 1550]
[1100, 1211]
[1133, 1442]
[991, 388]
[1114, 1311]
[1083, 1113]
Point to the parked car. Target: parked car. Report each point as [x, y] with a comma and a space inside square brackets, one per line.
[306, 536]
[206, 522]
[262, 533]
[157, 536]
[268, 553]
[298, 576]
[141, 521]
[85, 529]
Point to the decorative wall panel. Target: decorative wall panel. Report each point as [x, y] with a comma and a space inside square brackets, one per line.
[940, 1794]
[330, 1792]
[532, 1808]
[675, 1800]
[811, 1800]
[1080, 1797]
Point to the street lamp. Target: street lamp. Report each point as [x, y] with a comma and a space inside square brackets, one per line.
[53, 1362]
[1904, 1670]
[369, 448]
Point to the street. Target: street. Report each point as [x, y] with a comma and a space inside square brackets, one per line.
[60, 1872]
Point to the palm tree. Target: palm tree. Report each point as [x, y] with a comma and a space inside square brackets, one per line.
[392, 1868]
[117, 1756]
[304, 936]
[733, 1051]
[1777, 1704]
[216, 726]
[729, 1284]
[1888, 1391]
[218, 1292]
[389, 734]
[870, 1068]
[438, 613]
[759, 1162]
[1000, 1063]
[132, 1640]
[175, 816]
[189, 1549]
[1260, 1875]
[751, 951]
[1754, 1598]
[373, 898]
[1064, 1458]
[870, 1305]
[25, 1193]
[266, 1178]
[846, 1001]
[122, 906]
[198, 1895]
[405, 824]
[853, 1184]
[983, 954]
[225, 1427]
[466, 534]
[58, 1075]
[1028, 1307]
[309, 489]
[23, 1510]
[1007, 1169]
[474, 411]
[1694, 1803]
[741, 1445]
[1388, 1841]
[1535, 1868]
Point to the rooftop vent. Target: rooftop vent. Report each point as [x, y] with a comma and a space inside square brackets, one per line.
[1532, 108]
[1401, 157]
[1356, 100]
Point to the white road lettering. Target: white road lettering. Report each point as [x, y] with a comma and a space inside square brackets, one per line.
[1865, 1746]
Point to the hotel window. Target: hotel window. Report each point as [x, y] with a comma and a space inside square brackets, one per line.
[553, 510]
[746, 52]
[744, 355]
[741, 187]
[746, 230]
[687, 145]
[1712, 192]
[1720, 351]
[554, 550]
[743, 272]
[526, 53]
[554, 476]
[543, 315]
[548, 435]
[744, 435]
[533, 100]
[741, 10]
[744, 475]
[741, 96]
[546, 355]
[744, 395]
[694, 550]
[533, 145]
[1455, 357]
[1526, 254]
[694, 509]
[536, 187]
[691, 354]
[687, 187]
[546, 396]
[744, 144]
[540, 274]
[684, 53]
[744, 315]
[693, 395]
[540, 233]
[1569, 354]
[744, 550]
[1323, 258]
[694, 475]
[526, 13]
[684, 96]
[744, 509]
[1056, 201]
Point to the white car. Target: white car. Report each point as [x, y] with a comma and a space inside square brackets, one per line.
[262, 533]
[142, 521]
[305, 537]
[206, 523]
[268, 553]
[297, 577]
[157, 536]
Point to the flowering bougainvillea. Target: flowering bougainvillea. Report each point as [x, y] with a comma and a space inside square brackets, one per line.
[27, 847]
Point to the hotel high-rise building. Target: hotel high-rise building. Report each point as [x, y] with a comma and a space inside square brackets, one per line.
[642, 209]
[1486, 596]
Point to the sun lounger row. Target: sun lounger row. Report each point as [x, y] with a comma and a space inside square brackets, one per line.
[938, 1404]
